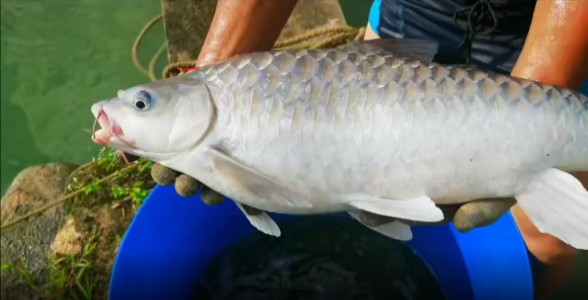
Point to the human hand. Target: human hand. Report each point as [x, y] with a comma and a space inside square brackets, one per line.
[476, 214]
[466, 216]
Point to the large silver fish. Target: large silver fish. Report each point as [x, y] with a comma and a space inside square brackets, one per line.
[368, 128]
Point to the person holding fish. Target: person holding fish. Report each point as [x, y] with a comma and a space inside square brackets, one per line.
[265, 171]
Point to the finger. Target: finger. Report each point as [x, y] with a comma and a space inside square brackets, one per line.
[481, 213]
[187, 186]
[163, 175]
[212, 197]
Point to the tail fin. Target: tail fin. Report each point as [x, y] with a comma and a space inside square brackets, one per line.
[557, 204]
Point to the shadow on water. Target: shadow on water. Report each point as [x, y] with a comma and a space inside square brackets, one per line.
[18, 150]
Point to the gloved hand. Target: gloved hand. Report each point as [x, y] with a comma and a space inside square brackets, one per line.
[186, 186]
[471, 215]
[466, 216]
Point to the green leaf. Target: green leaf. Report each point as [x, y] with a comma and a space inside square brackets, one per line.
[86, 291]
[72, 259]
[119, 192]
[7, 267]
[146, 166]
[93, 187]
[123, 175]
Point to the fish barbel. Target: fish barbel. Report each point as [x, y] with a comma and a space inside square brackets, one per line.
[367, 128]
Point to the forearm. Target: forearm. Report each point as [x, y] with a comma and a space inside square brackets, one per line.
[557, 258]
[556, 49]
[244, 26]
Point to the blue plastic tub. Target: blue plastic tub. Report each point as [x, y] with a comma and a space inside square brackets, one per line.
[172, 240]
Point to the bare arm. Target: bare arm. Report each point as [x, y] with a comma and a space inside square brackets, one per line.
[556, 49]
[244, 26]
[555, 52]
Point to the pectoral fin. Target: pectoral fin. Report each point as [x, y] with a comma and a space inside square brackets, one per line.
[557, 203]
[385, 225]
[258, 185]
[418, 209]
[260, 220]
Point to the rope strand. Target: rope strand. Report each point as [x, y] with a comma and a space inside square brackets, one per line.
[64, 198]
[477, 15]
[313, 39]
[138, 40]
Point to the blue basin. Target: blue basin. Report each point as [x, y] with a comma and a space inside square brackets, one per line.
[173, 239]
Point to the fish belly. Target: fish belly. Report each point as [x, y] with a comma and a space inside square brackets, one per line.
[333, 123]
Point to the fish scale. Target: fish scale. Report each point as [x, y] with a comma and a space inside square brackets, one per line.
[336, 103]
[371, 128]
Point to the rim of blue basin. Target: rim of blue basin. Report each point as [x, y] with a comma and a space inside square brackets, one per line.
[172, 240]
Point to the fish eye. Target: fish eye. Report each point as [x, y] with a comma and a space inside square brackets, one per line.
[142, 100]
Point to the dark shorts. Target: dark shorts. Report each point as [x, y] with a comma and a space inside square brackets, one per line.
[433, 20]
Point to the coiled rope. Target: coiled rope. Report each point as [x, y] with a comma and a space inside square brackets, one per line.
[321, 37]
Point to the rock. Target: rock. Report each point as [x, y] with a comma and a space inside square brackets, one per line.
[187, 23]
[64, 229]
[31, 239]
[312, 14]
[68, 239]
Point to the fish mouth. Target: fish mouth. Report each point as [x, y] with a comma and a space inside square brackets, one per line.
[108, 130]
[102, 135]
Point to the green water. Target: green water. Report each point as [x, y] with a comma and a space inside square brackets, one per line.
[58, 57]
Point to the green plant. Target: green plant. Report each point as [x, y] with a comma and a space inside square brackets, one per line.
[118, 240]
[70, 278]
[146, 166]
[119, 192]
[93, 187]
[138, 194]
[7, 267]
[107, 159]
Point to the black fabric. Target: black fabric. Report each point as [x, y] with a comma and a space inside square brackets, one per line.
[496, 51]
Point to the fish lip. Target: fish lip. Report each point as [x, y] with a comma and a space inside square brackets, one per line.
[108, 130]
[102, 135]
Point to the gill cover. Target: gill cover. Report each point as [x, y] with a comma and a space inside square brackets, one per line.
[194, 113]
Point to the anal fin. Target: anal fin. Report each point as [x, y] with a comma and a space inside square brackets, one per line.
[260, 220]
[417, 209]
[389, 227]
[557, 204]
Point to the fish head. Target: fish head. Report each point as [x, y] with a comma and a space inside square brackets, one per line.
[155, 119]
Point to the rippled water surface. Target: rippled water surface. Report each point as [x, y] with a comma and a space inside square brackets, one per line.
[58, 57]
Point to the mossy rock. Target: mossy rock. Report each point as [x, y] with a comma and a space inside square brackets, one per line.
[31, 240]
[88, 227]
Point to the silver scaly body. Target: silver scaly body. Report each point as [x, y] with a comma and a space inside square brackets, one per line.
[334, 122]
[372, 128]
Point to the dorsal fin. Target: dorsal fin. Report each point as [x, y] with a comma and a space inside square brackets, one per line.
[422, 50]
